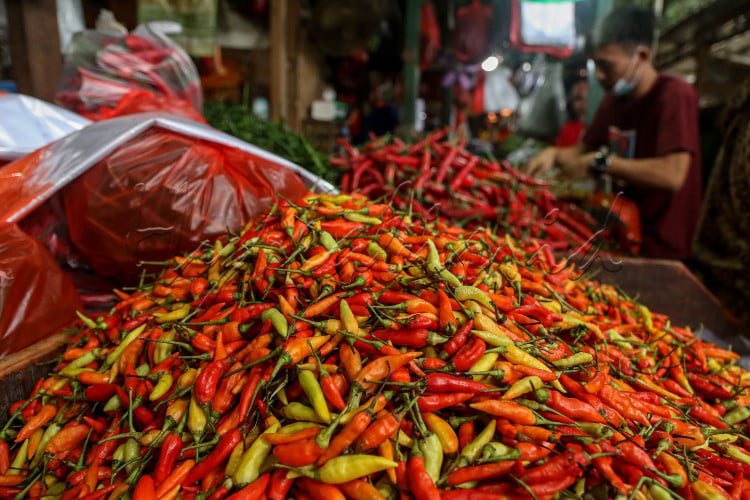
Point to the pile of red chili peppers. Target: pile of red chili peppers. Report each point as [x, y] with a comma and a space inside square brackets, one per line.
[338, 349]
[438, 177]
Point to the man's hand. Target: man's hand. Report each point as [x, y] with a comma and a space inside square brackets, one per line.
[578, 169]
[542, 163]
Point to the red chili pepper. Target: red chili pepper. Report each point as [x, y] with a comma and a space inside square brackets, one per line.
[169, 452]
[445, 382]
[208, 379]
[459, 339]
[222, 450]
[406, 337]
[440, 401]
[469, 354]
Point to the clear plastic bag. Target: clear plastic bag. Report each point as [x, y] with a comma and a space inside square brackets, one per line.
[102, 68]
[36, 297]
[148, 187]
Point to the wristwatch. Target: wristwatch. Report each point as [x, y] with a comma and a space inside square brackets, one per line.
[601, 161]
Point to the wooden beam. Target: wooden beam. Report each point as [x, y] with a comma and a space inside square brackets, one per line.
[293, 42]
[35, 46]
[279, 62]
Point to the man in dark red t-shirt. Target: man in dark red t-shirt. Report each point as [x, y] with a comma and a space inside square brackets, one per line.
[644, 134]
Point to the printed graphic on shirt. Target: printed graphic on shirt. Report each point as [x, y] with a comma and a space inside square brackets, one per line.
[622, 142]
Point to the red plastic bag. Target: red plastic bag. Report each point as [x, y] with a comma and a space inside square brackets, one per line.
[36, 297]
[471, 38]
[429, 36]
[163, 194]
[143, 101]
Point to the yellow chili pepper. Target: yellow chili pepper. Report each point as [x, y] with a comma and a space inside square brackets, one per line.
[345, 468]
[16, 466]
[579, 358]
[176, 410]
[248, 468]
[114, 356]
[196, 419]
[444, 432]
[471, 451]
[49, 433]
[298, 411]
[483, 364]
[465, 292]
[348, 320]
[162, 386]
[188, 378]
[162, 350]
[523, 386]
[173, 315]
[314, 392]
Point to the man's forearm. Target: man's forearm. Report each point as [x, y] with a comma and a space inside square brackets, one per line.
[666, 172]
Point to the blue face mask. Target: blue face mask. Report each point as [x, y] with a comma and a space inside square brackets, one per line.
[623, 87]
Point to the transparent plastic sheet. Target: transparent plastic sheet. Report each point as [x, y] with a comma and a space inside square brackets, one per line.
[36, 297]
[148, 187]
[27, 124]
[101, 68]
[544, 26]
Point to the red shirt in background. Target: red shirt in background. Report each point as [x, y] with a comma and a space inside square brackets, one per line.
[663, 121]
[569, 134]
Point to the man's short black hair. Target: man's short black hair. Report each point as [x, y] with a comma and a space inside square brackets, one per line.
[626, 26]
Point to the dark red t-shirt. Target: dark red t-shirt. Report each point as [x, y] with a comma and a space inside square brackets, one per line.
[663, 121]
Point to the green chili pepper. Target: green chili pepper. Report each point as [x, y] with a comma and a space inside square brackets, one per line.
[278, 321]
[327, 241]
[498, 452]
[434, 266]
[87, 322]
[432, 450]
[376, 251]
[87, 358]
[739, 414]
[364, 219]
[49, 433]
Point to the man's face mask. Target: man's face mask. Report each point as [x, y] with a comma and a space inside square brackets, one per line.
[622, 86]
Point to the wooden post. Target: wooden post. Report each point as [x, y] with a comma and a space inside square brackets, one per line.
[279, 61]
[35, 46]
[411, 65]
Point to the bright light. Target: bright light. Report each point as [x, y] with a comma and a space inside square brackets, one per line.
[490, 64]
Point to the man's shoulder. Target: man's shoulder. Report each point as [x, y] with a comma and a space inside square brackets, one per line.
[675, 85]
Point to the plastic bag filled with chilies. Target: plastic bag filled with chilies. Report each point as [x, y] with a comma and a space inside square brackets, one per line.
[101, 68]
[36, 297]
[149, 186]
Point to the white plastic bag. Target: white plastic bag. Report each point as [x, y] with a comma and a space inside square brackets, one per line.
[27, 124]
